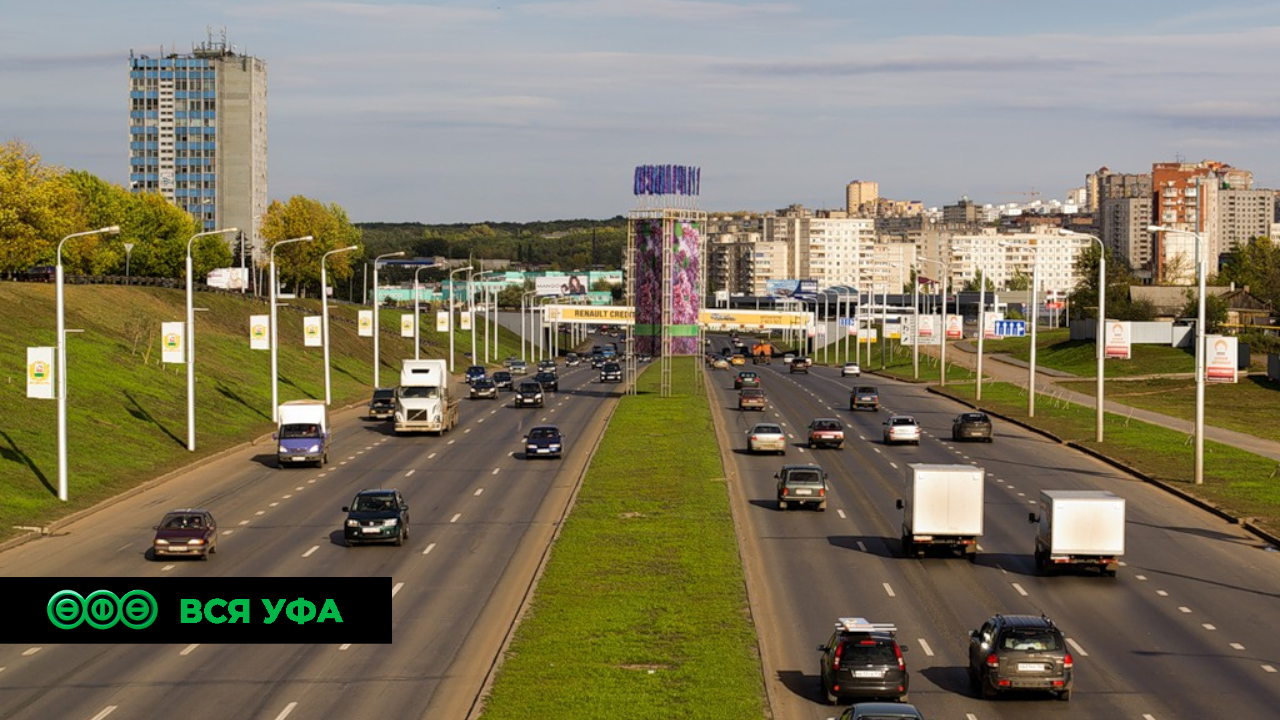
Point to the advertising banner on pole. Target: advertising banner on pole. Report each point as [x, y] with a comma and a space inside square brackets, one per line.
[753, 319]
[173, 344]
[1221, 358]
[40, 373]
[991, 320]
[1119, 334]
[442, 321]
[928, 329]
[872, 335]
[259, 332]
[465, 320]
[589, 314]
[406, 326]
[955, 327]
[312, 329]
[365, 322]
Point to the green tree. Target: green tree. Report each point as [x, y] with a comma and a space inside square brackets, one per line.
[974, 284]
[1084, 298]
[37, 209]
[1019, 282]
[298, 264]
[1255, 265]
[1215, 311]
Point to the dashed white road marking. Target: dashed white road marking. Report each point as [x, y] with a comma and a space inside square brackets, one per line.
[189, 649]
[429, 548]
[1018, 587]
[167, 568]
[396, 589]
[1076, 646]
[287, 709]
[261, 512]
[1268, 668]
[464, 432]
[889, 589]
[450, 442]
[312, 550]
[431, 456]
[244, 522]
[1140, 577]
[409, 473]
[841, 514]
[274, 504]
[454, 519]
[477, 492]
[344, 646]
[894, 465]
[495, 471]
[862, 546]
[286, 497]
[105, 712]
[1237, 646]
[1162, 593]
[1208, 626]
[32, 651]
[1184, 609]
[311, 481]
[227, 532]
[300, 488]
[927, 650]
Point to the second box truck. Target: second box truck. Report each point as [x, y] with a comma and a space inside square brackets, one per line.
[943, 508]
[1079, 529]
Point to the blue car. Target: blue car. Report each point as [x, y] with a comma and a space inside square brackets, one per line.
[544, 441]
[475, 372]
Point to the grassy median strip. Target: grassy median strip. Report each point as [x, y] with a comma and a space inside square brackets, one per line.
[642, 609]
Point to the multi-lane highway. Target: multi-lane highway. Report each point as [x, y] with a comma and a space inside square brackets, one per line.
[1186, 630]
[481, 515]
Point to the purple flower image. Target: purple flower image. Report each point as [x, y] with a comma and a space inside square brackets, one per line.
[653, 281]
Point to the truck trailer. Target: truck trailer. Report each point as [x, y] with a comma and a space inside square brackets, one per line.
[302, 435]
[425, 400]
[943, 508]
[1079, 529]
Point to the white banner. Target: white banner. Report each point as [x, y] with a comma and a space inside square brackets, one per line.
[989, 332]
[1119, 336]
[442, 321]
[872, 335]
[560, 285]
[312, 331]
[466, 320]
[364, 318]
[406, 326]
[1221, 358]
[40, 373]
[955, 327]
[173, 344]
[228, 278]
[259, 332]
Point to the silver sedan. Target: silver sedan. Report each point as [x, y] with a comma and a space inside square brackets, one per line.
[767, 437]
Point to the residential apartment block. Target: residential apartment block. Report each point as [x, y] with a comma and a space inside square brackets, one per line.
[198, 133]
[1004, 258]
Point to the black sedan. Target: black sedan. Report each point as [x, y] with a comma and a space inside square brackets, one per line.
[971, 426]
[543, 441]
[549, 381]
[484, 388]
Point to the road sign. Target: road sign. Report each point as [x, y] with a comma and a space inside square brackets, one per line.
[1012, 328]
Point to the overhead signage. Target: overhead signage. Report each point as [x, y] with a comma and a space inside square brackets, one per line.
[1011, 328]
[798, 289]
[754, 319]
[589, 314]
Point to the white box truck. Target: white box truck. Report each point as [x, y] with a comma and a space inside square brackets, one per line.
[302, 435]
[1079, 528]
[425, 401]
[943, 508]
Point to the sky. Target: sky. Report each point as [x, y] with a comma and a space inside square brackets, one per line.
[510, 111]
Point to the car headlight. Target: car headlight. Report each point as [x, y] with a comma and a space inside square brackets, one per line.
[314, 448]
[555, 446]
[195, 541]
[353, 523]
[161, 542]
[282, 449]
[391, 522]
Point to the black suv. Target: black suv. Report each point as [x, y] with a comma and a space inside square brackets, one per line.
[376, 516]
[611, 372]
[1020, 652]
[548, 380]
[800, 364]
[529, 393]
[863, 660]
[383, 404]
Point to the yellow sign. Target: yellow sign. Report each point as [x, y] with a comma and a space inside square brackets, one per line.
[606, 314]
[753, 319]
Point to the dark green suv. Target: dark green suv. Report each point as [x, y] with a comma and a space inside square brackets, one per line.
[801, 485]
[376, 516]
[1020, 652]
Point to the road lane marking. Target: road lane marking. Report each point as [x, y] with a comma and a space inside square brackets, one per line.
[449, 443]
[31, 651]
[1140, 577]
[464, 432]
[396, 589]
[105, 712]
[478, 491]
[227, 532]
[841, 514]
[313, 549]
[1162, 593]
[274, 504]
[410, 473]
[1018, 587]
[894, 465]
[1208, 626]
[344, 646]
[287, 709]
[286, 497]
[1076, 646]
[455, 518]
[1184, 609]
[1268, 668]
[431, 456]
[300, 488]
[167, 568]
[889, 590]
[311, 481]
[261, 512]
[244, 522]
[189, 649]
[430, 547]
[495, 471]
[1237, 646]
[862, 546]
[927, 650]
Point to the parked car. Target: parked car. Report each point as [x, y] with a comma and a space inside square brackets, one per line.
[851, 369]
[751, 398]
[863, 660]
[543, 441]
[800, 364]
[611, 372]
[802, 485]
[528, 394]
[383, 404]
[484, 388]
[864, 396]
[767, 437]
[826, 432]
[189, 531]
[376, 516]
[882, 711]
[474, 373]
[502, 379]
[901, 428]
[746, 378]
[971, 426]
[1020, 652]
[549, 381]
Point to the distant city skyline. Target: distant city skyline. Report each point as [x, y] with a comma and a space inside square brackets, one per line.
[526, 111]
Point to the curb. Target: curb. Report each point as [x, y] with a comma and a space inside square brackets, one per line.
[1201, 503]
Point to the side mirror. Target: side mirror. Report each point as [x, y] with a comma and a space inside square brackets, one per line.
[973, 635]
[903, 648]
[900, 505]
[822, 648]
[777, 476]
[1033, 518]
[275, 436]
[346, 509]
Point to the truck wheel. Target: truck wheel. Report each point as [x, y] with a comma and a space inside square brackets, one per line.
[1040, 564]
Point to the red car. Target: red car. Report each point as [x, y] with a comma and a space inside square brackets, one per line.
[189, 532]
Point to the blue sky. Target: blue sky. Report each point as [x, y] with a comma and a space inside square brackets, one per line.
[445, 112]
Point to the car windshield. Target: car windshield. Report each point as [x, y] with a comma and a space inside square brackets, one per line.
[804, 477]
[299, 430]
[483, 383]
[767, 430]
[374, 503]
[543, 434]
[177, 522]
[419, 392]
[903, 421]
[866, 391]
[973, 417]
[383, 394]
[530, 387]
[826, 425]
[1030, 640]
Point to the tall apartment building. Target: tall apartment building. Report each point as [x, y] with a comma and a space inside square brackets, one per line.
[1124, 214]
[840, 249]
[1183, 198]
[198, 134]
[859, 194]
[1236, 215]
[1001, 257]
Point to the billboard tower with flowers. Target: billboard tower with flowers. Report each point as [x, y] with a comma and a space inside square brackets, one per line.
[666, 266]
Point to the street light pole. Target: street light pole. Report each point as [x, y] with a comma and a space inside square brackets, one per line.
[377, 310]
[1102, 323]
[62, 359]
[1035, 314]
[275, 336]
[417, 317]
[191, 341]
[324, 314]
[453, 295]
[1199, 338]
[945, 286]
[471, 313]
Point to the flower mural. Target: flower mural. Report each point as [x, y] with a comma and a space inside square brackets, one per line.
[684, 238]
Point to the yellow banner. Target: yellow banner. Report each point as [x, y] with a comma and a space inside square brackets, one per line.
[753, 319]
[602, 314]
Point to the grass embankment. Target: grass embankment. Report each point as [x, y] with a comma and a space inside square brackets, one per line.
[642, 608]
[127, 412]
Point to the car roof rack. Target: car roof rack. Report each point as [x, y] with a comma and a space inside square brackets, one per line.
[861, 625]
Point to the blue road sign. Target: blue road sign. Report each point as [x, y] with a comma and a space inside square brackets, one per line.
[1011, 328]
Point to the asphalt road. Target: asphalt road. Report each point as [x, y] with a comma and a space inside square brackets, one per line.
[1186, 630]
[482, 518]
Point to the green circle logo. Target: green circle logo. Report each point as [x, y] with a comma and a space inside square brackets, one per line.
[102, 609]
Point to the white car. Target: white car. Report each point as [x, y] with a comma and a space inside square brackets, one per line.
[767, 437]
[850, 370]
[901, 428]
